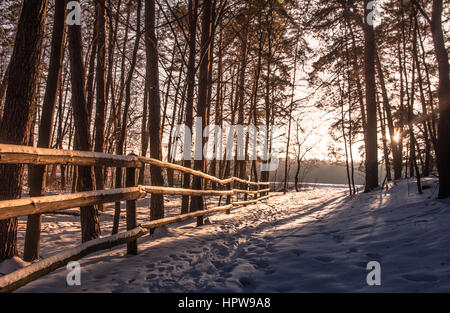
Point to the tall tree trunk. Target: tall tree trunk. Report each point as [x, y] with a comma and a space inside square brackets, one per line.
[18, 110]
[433, 117]
[344, 137]
[240, 163]
[267, 104]
[167, 92]
[100, 105]
[396, 154]
[387, 163]
[202, 102]
[291, 110]
[116, 109]
[90, 76]
[412, 139]
[170, 172]
[144, 133]
[152, 76]
[297, 174]
[219, 98]
[110, 92]
[179, 90]
[401, 110]
[123, 130]
[350, 121]
[443, 155]
[90, 224]
[3, 87]
[191, 69]
[37, 175]
[371, 146]
[112, 37]
[427, 127]
[356, 69]
[255, 91]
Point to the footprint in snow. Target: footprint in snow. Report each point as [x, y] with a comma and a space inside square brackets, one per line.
[100, 276]
[361, 264]
[352, 250]
[298, 252]
[374, 256]
[420, 278]
[174, 257]
[324, 259]
[151, 276]
[245, 281]
[261, 263]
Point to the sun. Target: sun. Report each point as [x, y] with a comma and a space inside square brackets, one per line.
[396, 137]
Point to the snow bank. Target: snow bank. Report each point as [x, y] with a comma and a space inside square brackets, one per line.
[317, 240]
[41, 267]
[11, 265]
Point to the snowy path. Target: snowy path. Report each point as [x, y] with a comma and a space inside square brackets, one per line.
[318, 240]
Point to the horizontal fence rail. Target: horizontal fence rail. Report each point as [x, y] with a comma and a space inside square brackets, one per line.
[27, 274]
[185, 192]
[180, 218]
[45, 204]
[13, 154]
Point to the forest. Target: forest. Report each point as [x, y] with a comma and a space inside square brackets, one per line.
[120, 77]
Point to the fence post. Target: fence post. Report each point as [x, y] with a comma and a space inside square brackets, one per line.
[247, 188]
[257, 189]
[132, 247]
[228, 211]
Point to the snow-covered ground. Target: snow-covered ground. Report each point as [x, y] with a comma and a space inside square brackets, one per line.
[317, 240]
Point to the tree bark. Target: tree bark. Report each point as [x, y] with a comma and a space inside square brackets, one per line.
[123, 129]
[144, 133]
[202, 102]
[371, 146]
[90, 224]
[267, 108]
[152, 76]
[37, 175]
[443, 151]
[191, 70]
[240, 165]
[291, 110]
[396, 154]
[18, 110]
[100, 105]
[3, 87]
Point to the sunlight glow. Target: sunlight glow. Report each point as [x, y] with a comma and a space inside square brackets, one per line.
[396, 136]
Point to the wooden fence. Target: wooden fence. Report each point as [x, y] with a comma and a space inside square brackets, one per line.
[11, 154]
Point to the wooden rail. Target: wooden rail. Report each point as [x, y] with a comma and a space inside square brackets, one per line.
[184, 217]
[45, 204]
[12, 154]
[39, 205]
[25, 275]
